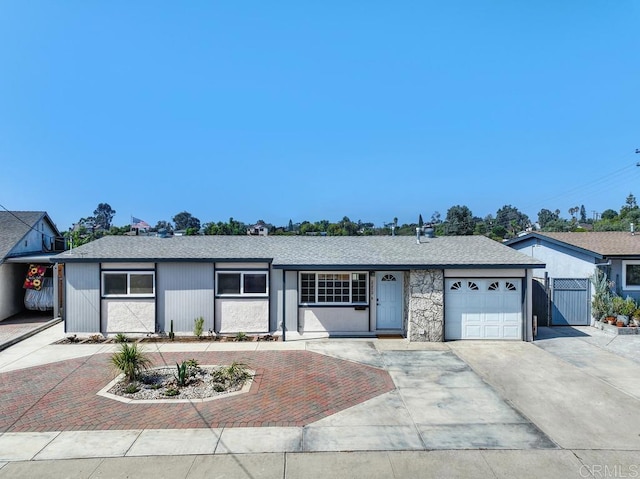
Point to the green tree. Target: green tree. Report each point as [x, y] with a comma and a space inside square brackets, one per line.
[499, 232]
[583, 214]
[512, 220]
[629, 206]
[103, 215]
[420, 221]
[459, 221]
[78, 236]
[609, 214]
[163, 225]
[609, 225]
[573, 211]
[559, 225]
[546, 216]
[184, 220]
[119, 230]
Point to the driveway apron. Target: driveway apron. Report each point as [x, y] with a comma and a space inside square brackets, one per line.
[575, 408]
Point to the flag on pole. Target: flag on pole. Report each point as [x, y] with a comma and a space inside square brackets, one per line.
[138, 223]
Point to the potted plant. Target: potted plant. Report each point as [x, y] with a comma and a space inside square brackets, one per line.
[613, 307]
[635, 317]
[618, 310]
[601, 307]
[623, 308]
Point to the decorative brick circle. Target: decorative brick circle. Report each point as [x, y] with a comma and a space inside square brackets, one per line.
[291, 388]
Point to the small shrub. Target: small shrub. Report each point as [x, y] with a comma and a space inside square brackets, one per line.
[218, 376]
[218, 387]
[629, 306]
[132, 388]
[171, 392]
[130, 360]
[182, 375]
[121, 338]
[618, 305]
[236, 372]
[233, 373]
[96, 338]
[192, 363]
[198, 327]
[240, 336]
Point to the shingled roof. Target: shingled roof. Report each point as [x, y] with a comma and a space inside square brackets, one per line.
[299, 252]
[14, 225]
[603, 243]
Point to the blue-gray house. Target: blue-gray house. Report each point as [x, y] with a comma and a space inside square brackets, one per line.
[571, 259]
[425, 289]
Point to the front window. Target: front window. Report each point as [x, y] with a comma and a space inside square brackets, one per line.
[631, 275]
[241, 283]
[333, 288]
[139, 284]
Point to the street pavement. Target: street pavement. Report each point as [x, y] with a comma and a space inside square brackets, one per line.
[458, 409]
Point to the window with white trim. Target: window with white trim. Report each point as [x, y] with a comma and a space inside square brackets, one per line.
[631, 275]
[334, 288]
[242, 283]
[120, 284]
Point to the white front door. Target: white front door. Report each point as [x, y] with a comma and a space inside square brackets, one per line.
[389, 286]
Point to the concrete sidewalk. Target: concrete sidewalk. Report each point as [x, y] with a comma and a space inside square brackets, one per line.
[480, 464]
[460, 409]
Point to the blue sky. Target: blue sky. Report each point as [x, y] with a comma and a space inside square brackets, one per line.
[292, 110]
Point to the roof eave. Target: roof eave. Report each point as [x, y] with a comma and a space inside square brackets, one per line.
[557, 242]
[161, 260]
[395, 267]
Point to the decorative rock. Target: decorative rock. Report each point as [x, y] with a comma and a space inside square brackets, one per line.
[425, 305]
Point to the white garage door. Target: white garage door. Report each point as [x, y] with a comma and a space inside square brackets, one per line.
[483, 308]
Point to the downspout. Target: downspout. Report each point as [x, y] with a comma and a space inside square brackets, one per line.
[284, 305]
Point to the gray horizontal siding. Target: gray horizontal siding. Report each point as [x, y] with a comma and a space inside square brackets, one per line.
[82, 305]
[291, 301]
[185, 292]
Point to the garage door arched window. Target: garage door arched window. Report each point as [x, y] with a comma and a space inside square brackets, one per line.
[472, 286]
[510, 286]
[495, 286]
[389, 277]
[456, 286]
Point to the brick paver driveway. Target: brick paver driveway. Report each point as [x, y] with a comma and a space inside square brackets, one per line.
[291, 388]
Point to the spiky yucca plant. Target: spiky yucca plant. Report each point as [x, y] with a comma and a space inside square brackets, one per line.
[130, 360]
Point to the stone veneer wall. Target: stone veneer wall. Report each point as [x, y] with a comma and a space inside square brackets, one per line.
[424, 303]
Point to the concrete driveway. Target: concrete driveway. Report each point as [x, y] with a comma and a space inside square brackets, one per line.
[551, 408]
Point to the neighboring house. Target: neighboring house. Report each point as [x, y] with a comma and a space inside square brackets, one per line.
[431, 289]
[258, 230]
[571, 259]
[26, 237]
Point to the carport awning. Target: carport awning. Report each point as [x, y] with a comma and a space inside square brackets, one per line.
[36, 258]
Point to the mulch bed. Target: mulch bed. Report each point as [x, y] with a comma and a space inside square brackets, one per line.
[99, 339]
